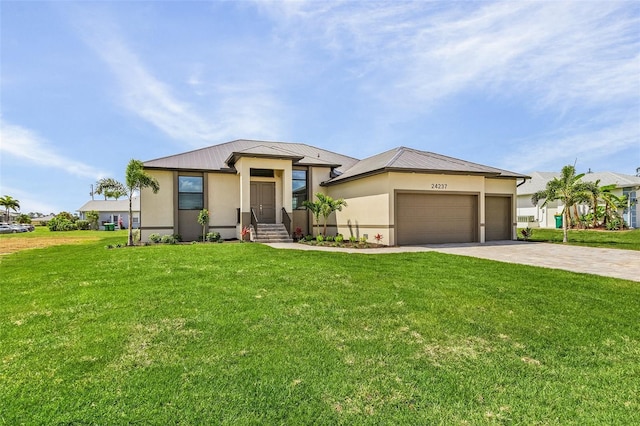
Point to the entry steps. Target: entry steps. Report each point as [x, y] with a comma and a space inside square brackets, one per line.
[272, 233]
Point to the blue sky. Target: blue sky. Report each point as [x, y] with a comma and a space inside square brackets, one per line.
[525, 86]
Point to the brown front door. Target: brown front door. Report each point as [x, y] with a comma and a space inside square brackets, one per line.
[263, 201]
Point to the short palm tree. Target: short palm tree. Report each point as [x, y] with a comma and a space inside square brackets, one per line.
[327, 206]
[111, 188]
[568, 188]
[135, 180]
[315, 207]
[9, 203]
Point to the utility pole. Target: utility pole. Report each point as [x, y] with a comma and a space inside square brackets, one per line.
[91, 193]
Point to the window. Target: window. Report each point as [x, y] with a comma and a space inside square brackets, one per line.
[190, 193]
[299, 188]
[262, 173]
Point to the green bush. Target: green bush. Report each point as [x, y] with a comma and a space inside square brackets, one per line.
[615, 224]
[319, 238]
[353, 239]
[60, 223]
[168, 239]
[213, 237]
[83, 225]
[155, 238]
[339, 238]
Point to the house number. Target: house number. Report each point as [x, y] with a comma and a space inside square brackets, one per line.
[438, 186]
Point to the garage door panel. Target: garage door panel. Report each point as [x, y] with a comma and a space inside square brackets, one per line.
[497, 218]
[436, 218]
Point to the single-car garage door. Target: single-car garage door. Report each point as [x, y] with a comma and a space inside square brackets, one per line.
[436, 218]
[497, 218]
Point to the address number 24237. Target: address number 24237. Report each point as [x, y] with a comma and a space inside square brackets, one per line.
[438, 186]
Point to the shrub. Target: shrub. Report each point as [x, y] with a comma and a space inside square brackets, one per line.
[526, 233]
[615, 224]
[330, 238]
[83, 225]
[378, 237]
[177, 237]
[308, 237]
[168, 239]
[136, 235]
[61, 223]
[319, 238]
[155, 238]
[339, 238]
[363, 240]
[353, 239]
[212, 237]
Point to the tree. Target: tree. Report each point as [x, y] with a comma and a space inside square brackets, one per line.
[315, 207]
[327, 206]
[568, 188]
[135, 180]
[24, 218]
[111, 188]
[9, 203]
[93, 216]
[203, 219]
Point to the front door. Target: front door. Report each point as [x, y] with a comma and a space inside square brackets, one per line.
[263, 201]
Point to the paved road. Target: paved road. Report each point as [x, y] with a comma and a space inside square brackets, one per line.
[623, 264]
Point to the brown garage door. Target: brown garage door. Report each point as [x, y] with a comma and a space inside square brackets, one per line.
[436, 218]
[497, 218]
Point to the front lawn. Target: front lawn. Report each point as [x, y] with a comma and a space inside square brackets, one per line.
[246, 334]
[628, 240]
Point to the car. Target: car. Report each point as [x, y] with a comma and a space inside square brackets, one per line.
[6, 229]
[17, 228]
[29, 227]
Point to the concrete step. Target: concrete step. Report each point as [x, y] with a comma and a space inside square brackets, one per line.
[272, 233]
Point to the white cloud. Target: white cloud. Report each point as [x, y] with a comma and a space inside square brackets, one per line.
[25, 144]
[240, 113]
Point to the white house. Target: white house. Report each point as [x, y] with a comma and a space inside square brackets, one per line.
[543, 216]
[113, 211]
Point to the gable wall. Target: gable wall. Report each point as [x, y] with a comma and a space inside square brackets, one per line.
[156, 210]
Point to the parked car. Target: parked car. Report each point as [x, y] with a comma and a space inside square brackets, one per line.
[29, 227]
[17, 228]
[6, 229]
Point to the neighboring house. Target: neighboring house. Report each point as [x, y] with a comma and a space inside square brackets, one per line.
[543, 216]
[408, 196]
[113, 211]
[37, 221]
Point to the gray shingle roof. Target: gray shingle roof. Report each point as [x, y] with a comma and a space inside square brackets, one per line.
[216, 157]
[409, 159]
[111, 205]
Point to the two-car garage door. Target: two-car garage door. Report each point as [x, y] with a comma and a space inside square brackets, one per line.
[427, 218]
[436, 218]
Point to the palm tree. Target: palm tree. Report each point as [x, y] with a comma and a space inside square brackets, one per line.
[111, 188]
[568, 188]
[612, 203]
[328, 206]
[135, 180]
[315, 207]
[9, 203]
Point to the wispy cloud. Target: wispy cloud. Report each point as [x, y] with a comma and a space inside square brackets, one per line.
[25, 144]
[236, 113]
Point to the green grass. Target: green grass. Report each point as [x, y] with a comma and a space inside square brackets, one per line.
[627, 240]
[245, 334]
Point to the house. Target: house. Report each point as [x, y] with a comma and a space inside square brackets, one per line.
[543, 216]
[406, 195]
[113, 211]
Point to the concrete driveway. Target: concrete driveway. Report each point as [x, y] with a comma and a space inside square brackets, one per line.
[614, 263]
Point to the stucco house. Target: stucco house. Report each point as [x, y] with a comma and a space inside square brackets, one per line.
[113, 211]
[540, 216]
[408, 196]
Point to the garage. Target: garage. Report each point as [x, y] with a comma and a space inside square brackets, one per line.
[497, 218]
[427, 218]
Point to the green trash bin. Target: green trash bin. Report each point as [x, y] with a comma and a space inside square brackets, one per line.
[109, 226]
[558, 222]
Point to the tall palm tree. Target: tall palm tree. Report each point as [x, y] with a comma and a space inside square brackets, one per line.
[328, 206]
[9, 203]
[135, 180]
[568, 188]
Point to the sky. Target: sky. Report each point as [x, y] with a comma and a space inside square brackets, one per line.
[523, 86]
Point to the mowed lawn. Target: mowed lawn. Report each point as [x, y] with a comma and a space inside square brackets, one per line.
[245, 334]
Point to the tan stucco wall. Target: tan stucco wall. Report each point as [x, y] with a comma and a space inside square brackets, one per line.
[156, 210]
[224, 199]
[371, 203]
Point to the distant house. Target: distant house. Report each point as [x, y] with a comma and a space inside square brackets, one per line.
[543, 216]
[113, 211]
[42, 220]
[406, 195]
